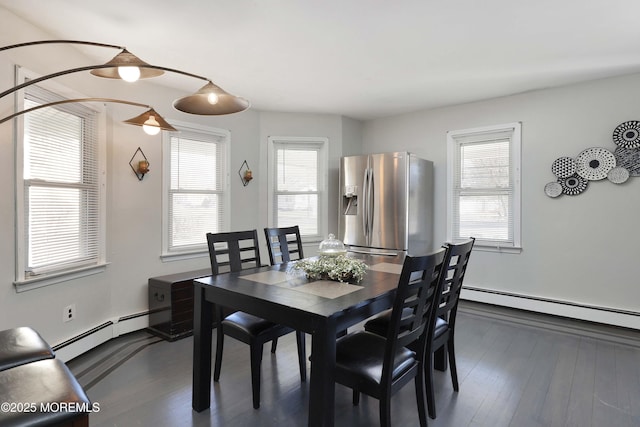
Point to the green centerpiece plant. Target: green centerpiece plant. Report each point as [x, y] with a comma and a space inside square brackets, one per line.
[340, 268]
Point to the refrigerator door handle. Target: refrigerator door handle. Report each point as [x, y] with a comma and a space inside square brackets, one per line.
[365, 204]
[370, 208]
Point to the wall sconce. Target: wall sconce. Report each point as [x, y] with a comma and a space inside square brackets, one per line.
[139, 164]
[245, 173]
[209, 100]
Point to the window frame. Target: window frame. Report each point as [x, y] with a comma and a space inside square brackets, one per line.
[168, 253]
[56, 275]
[481, 135]
[323, 199]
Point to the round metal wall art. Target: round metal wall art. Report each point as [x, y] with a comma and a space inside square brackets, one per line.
[618, 175]
[553, 189]
[627, 134]
[595, 163]
[629, 158]
[563, 167]
[573, 185]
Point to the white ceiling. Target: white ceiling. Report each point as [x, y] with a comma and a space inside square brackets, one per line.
[359, 58]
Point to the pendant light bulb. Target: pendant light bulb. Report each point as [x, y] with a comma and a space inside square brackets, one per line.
[151, 126]
[212, 98]
[129, 74]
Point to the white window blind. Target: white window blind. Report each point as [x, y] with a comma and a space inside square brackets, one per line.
[197, 196]
[61, 190]
[484, 185]
[298, 190]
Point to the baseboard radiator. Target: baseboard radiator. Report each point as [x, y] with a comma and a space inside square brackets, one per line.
[75, 346]
[605, 315]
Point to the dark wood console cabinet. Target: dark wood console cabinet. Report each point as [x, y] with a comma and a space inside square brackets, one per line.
[171, 304]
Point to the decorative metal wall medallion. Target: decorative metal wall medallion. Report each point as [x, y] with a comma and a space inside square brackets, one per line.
[627, 134]
[629, 158]
[618, 175]
[563, 167]
[573, 185]
[553, 189]
[595, 163]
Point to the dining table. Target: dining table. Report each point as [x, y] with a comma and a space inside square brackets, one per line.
[281, 294]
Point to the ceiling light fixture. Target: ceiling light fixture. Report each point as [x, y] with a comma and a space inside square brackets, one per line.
[209, 100]
[152, 123]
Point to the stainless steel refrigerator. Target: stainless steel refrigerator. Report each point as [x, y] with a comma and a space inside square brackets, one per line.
[386, 203]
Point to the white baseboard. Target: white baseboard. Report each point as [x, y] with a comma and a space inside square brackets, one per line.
[86, 341]
[604, 315]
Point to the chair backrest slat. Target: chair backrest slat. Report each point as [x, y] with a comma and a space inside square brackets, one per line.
[241, 251]
[420, 282]
[453, 278]
[284, 244]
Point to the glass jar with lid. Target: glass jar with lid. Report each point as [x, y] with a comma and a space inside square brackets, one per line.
[332, 247]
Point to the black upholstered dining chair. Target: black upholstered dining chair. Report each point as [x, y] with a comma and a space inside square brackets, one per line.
[380, 366]
[284, 244]
[440, 335]
[241, 252]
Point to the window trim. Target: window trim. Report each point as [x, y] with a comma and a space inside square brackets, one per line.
[515, 148]
[166, 254]
[323, 180]
[21, 282]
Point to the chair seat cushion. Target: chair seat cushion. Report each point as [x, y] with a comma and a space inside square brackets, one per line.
[441, 327]
[22, 345]
[247, 324]
[45, 384]
[360, 356]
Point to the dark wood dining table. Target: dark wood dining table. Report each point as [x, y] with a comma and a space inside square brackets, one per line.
[317, 307]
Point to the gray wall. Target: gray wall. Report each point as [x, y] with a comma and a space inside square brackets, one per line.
[580, 249]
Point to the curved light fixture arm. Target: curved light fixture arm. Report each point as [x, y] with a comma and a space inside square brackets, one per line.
[13, 46]
[67, 101]
[87, 68]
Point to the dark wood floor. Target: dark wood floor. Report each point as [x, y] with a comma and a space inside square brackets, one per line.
[515, 369]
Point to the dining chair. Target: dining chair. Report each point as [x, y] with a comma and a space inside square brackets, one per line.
[440, 335]
[380, 366]
[241, 251]
[283, 243]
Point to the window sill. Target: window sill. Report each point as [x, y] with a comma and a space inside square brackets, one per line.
[499, 249]
[51, 279]
[179, 256]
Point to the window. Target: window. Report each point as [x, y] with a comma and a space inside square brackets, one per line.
[60, 202]
[195, 186]
[484, 186]
[297, 184]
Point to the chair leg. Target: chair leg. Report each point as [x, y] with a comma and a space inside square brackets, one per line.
[274, 344]
[256, 359]
[302, 355]
[385, 411]
[428, 371]
[356, 397]
[452, 364]
[420, 398]
[440, 358]
[219, 348]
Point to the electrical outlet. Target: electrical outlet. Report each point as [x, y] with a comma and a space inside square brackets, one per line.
[69, 313]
